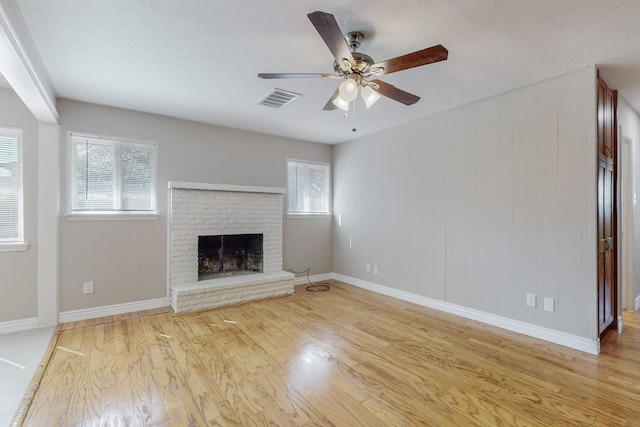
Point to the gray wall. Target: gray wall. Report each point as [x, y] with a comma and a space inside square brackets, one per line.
[480, 205]
[629, 122]
[18, 277]
[127, 259]
[476, 206]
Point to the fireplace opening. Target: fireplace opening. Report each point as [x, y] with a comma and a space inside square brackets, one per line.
[229, 255]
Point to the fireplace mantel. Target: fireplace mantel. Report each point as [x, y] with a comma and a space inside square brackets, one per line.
[223, 187]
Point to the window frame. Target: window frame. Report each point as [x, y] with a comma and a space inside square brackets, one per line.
[328, 196]
[116, 214]
[18, 243]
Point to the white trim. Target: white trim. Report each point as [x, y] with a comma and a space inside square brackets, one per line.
[589, 179]
[557, 337]
[18, 325]
[620, 324]
[302, 279]
[48, 220]
[223, 187]
[22, 66]
[308, 215]
[626, 263]
[110, 310]
[168, 251]
[110, 138]
[115, 216]
[637, 304]
[551, 335]
[14, 247]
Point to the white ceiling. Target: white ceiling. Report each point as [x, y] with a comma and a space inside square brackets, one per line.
[199, 59]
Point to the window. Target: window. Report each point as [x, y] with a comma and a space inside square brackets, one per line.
[109, 175]
[11, 225]
[309, 187]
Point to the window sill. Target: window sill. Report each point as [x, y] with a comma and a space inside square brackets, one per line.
[308, 215]
[14, 247]
[111, 216]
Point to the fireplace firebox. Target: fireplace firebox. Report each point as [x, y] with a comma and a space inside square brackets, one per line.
[229, 255]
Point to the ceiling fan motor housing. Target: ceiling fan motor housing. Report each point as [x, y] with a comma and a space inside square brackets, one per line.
[354, 39]
[360, 65]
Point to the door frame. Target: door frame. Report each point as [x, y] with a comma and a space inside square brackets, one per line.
[626, 261]
[612, 163]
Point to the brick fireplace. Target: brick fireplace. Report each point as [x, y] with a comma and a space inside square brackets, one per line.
[197, 209]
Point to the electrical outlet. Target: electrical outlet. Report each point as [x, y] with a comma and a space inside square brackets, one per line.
[531, 300]
[87, 287]
[375, 270]
[368, 268]
[549, 304]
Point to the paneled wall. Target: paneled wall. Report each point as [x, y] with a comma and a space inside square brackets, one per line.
[480, 205]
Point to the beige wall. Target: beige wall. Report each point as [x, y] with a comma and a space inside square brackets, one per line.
[126, 260]
[18, 270]
[480, 205]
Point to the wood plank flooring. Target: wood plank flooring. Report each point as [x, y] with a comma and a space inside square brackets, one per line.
[346, 357]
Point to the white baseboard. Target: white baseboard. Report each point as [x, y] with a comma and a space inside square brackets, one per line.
[551, 335]
[302, 280]
[110, 310]
[18, 325]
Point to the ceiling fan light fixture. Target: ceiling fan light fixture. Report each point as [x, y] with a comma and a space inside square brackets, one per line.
[369, 96]
[348, 90]
[355, 67]
[341, 103]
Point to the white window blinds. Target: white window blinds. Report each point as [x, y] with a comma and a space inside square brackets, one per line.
[110, 175]
[11, 216]
[308, 187]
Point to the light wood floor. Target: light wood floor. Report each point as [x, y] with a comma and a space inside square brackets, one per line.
[346, 357]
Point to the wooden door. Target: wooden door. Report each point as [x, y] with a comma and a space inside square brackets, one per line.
[607, 147]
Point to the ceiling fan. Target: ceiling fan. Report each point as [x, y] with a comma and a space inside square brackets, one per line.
[356, 68]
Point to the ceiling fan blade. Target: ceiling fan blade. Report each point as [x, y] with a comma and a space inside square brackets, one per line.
[330, 32]
[416, 59]
[394, 93]
[295, 76]
[330, 105]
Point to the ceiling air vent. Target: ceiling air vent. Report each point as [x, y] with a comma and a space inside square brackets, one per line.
[278, 98]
